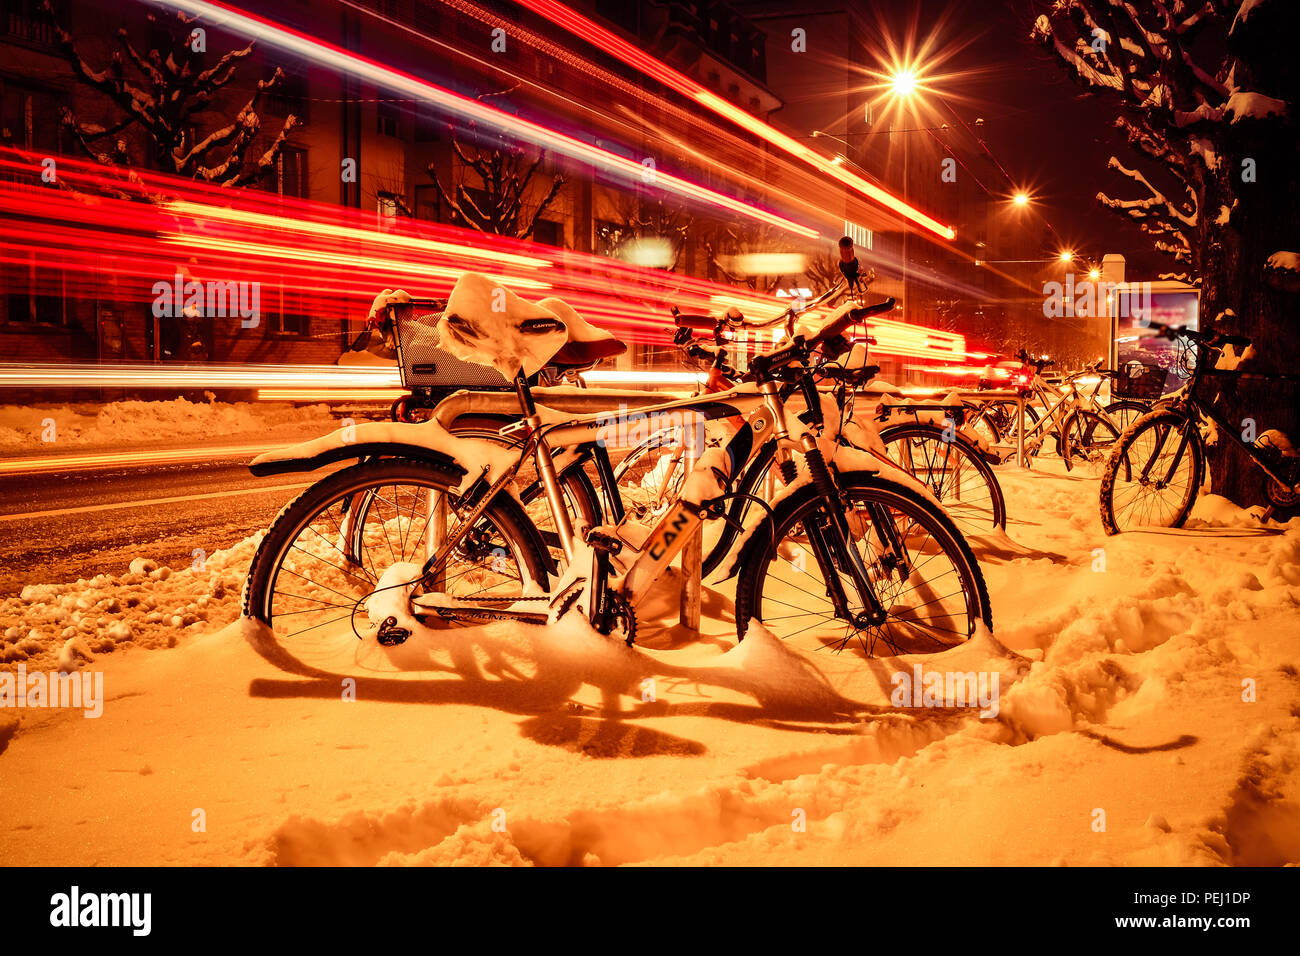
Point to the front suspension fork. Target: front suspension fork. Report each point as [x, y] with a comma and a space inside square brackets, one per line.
[831, 541]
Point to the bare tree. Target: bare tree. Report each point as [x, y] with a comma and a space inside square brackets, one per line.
[1206, 93]
[159, 92]
[822, 271]
[502, 173]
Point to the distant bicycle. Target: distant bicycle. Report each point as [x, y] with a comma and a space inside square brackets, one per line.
[1155, 470]
[1082, 428]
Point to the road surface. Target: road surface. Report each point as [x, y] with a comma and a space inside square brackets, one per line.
[60, 521]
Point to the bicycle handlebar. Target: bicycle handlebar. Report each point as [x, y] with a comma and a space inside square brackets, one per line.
[1211, 339]
[762, 365]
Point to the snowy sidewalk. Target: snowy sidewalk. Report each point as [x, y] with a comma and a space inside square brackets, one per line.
[1122, 736]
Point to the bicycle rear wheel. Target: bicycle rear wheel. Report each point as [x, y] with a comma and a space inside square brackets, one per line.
[580, 495]
[933, 593]
[1153, 474]
[326, 553]
[1085, 442]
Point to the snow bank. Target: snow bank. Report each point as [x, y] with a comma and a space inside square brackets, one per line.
[1150, 675]
[142, 423]
[150, 606]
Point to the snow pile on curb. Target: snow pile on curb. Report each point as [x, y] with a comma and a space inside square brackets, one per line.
[49, 625]
[137, 423]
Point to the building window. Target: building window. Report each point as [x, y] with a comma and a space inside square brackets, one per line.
[29, 119]
[289, 96]
[389, 114]
[291, 172]
[392, 206]
[24, 20]
[862, 238]
[427, 205]
[548, 70]
[549, 232]
[32, 293]
[608, 237]
[290, 319]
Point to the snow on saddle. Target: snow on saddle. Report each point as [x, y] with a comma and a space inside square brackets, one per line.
[486, 323]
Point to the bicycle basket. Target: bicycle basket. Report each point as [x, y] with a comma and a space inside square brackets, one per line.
[1139, 380]
[423, 364]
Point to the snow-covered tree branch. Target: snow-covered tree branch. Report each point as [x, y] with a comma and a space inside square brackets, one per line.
[159, 92]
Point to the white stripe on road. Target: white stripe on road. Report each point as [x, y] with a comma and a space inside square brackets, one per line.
[117, 458]
[153, 501]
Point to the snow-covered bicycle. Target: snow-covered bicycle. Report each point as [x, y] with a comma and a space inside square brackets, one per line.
[1155, 470]
[927, 440]
[849, 554]
[1083, 430]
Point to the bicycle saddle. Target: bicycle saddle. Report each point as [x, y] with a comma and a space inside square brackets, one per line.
[486, 323]
[586, 344]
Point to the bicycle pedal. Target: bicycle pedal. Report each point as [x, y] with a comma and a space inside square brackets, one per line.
[607, 543]
[390, 635]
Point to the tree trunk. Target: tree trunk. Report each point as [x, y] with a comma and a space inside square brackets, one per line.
[1263, 222]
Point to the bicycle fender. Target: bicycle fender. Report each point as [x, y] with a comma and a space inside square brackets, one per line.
[369, 440]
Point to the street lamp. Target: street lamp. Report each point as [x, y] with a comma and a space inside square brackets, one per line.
[1067, 256]
[1021, 199]
[903, 82]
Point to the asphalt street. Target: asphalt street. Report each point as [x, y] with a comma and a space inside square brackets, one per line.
[60, 523]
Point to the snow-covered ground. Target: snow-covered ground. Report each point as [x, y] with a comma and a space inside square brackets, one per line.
[1149, 713]
[37, 429]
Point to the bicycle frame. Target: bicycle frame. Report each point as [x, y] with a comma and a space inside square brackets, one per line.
[1193, 411]
[763, 414]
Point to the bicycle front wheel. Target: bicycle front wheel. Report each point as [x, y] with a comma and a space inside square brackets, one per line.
[1153, 473]
[1125, 412]
[926, 581]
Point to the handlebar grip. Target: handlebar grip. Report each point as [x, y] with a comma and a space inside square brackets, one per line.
[685, 321]
[1240, 341]
[852, 317]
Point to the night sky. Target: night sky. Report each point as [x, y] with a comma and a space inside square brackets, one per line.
[1039, 123]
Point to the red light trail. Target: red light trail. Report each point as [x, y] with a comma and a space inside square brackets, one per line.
[79, 243]
[354, 64]
[611, 43]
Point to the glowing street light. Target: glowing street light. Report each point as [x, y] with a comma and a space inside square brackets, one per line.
[1021, 199]
[1094, 274]
[1067, 256]
[904, 82]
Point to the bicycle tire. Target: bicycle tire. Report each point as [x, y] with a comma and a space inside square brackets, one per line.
[763, 547]
[966, 450]
[1120, 461]
[504, 515]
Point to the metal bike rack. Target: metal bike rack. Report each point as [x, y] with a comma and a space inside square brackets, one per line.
[977, 395]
